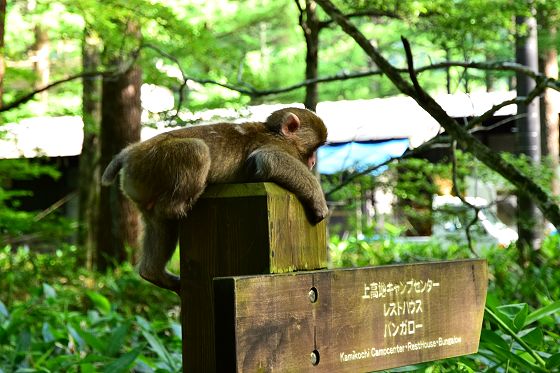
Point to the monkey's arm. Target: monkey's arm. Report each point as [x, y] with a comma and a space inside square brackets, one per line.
[272, 164]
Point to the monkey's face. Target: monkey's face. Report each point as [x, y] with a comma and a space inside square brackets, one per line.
[302, 129]
[311, 160]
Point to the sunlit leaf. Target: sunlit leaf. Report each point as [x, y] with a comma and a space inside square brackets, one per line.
[100, 301]
[49, 291]
[3, 310]
[47, 333]
[519, 320]
[543, 312]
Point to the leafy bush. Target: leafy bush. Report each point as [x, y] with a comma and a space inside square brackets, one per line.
[55, 316]
[18, 226]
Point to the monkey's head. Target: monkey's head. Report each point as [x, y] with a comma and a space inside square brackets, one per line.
[302, 128]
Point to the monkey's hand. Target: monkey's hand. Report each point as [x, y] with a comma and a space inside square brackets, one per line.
[320, 210]
[276, 165]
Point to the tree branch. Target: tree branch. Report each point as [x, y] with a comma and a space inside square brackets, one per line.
[476, 209]
[28, 97]
[490, 158]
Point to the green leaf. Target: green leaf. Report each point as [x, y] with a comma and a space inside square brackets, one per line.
[49, 291]
[519, 320]
[155, 343]
[92, 340]
[47, 333]
[38, 362]
[177, 330]
[542, 312]
[76, 336]
[535, 338]
[100, 301]
[3, 310]
[123, 363]
[23, 341]
[492, 338]
[553, 361]
[508, 314]
[117, 339]
[87, 368]
[144, 324]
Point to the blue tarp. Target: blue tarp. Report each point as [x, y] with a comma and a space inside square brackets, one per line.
[357, 156]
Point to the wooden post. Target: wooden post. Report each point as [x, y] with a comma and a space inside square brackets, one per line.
[238, 229]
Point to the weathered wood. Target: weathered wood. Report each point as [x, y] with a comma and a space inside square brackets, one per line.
[238, 229]
[363, 319]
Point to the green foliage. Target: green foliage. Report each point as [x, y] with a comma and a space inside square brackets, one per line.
[17, 225]
[55, 316]
[516, 336]
[248, 45]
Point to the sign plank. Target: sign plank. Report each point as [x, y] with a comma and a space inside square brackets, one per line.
[349, 320]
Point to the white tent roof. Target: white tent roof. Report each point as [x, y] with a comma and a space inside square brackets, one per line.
[358, 120]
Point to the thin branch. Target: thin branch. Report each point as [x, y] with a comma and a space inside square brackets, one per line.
[498, 124]
[54, 206]
[410, 63]
[364, 13]
[253, 92]
[476, 209]
[535, 92]
[28, 97]
[489, 157]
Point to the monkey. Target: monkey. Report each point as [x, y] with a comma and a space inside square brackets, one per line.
[165, 175]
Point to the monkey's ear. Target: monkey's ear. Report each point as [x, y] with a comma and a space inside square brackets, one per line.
[290, 124]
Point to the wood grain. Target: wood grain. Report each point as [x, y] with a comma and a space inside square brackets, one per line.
[238, 229]
[364, 319]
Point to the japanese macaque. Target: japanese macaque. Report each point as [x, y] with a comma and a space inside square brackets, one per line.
[165, 175]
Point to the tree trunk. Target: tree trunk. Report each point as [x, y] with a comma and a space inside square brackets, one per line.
[89, 180]
[549, 108]
[41, 64]
[447, 71]
[489, 76]
[118, 225]
[529, 221]
[2, 31]
[310, 26]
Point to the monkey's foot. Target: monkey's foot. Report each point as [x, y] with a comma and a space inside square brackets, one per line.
[165, 281]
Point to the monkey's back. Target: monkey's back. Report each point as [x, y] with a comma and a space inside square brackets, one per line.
[229, 146]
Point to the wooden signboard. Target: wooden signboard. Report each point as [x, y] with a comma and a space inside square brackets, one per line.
[349, 320]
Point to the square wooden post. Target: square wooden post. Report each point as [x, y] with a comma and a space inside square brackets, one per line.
[238, 229]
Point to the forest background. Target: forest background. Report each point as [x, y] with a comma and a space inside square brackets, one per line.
[75, 304]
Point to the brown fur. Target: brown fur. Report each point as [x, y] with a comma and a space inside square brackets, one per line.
[166, 174]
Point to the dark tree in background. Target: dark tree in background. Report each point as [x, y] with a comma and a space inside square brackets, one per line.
[528, 137]
[41, 63]
[88, 188]
[2, 29]
[548, 65]
[311, 27]
[120, 126]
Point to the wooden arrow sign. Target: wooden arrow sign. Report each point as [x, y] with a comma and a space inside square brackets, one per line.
[349, 320]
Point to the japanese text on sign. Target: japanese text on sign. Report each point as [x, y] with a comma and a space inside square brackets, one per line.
[381, 289]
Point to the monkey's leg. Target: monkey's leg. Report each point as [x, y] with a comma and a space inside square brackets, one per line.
[160, 241]
[292, 174]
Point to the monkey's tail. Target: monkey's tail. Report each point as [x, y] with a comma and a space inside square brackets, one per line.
[113, 168]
